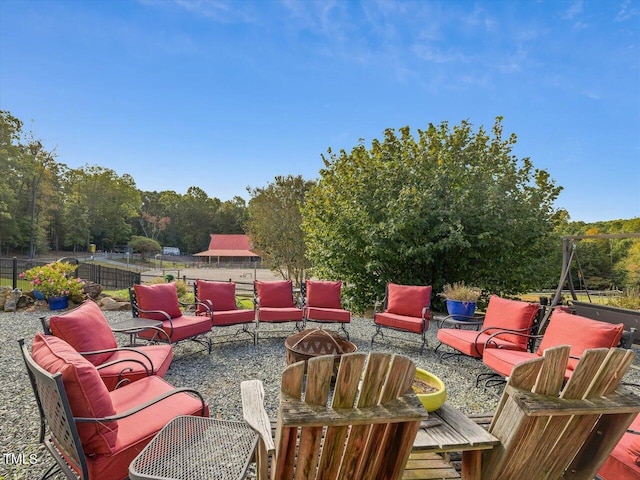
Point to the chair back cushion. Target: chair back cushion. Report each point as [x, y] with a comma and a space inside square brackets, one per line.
[275, 294]
[161, 296]
[86, 329]
[222, 295]
[324, 294]
[408, 300]
[580, 332]
[503, 313]
[87, 394]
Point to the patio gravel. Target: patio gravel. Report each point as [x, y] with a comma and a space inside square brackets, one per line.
[216, 376]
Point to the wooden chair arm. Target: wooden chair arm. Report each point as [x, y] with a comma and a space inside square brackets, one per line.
[253, 411]
[296, 413]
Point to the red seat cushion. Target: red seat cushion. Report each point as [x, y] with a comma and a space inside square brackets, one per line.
[86, 329]
[579, 332]
[138, 429]
[401, 322]
[327, 315]
[324, 294]
[217, 295]
[160, 356]
[408, 300]
[161, 296]
[88, 396]
[510, 314]
[471, 342]
[268, 314]
[276, 294]
[233, 317]
[624, 460]
[182, 327]
[503, 361]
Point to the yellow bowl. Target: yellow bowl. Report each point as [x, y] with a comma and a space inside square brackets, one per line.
[431, 401]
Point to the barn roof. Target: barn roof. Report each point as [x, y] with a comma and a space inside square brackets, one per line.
[228, 245]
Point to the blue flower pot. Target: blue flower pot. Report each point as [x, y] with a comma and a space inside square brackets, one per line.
[461, 311]
[58, 303]
[38, 295]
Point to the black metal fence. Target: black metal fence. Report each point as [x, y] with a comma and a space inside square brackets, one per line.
[111, 278]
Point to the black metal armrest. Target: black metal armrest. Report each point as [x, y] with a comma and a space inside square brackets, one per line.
[162, 312]
[127, 349]
[514, 332]
[125, 360]
[139, 408]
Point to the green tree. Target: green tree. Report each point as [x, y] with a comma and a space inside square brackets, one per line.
[451, 205]
[144, 245]
[274, 225]
[111, 200]
[10, 165]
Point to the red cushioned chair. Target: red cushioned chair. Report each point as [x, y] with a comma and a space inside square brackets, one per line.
[274, 303]
[503, 321]
[563, 329]
[86, 329]
[322, 303]
[94, 433]
[160, 302]
[220, 299]
[405, 308]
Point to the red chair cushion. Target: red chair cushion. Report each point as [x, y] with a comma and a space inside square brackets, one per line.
[324, 294]
[160, 355]
[222, 295]
[268, 314]
[315, 314]
[233, 317]
[579, 332]
[510, 314]
[471, 342]
[87, 394]
[276, 294]
[182, 327]
[137, 430]
[161, 296]
[400, 322]
[408, 300]
[503, 361]
[86, 329]
[624, 460]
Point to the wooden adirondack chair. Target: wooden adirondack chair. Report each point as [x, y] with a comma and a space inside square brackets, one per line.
[548, 431]
[367, 430]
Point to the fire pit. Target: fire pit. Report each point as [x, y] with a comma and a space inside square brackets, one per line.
[315, 342]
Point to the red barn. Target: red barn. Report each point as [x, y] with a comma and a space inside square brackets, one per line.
[230, 249]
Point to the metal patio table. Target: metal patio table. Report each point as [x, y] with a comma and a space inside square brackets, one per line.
[193, 448]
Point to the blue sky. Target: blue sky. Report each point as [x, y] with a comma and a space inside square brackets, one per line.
[228, 94]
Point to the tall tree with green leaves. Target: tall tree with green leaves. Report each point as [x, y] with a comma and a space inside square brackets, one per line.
[275, 222]
[450, 205]
[10, 164]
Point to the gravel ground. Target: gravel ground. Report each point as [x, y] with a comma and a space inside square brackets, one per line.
[216, 376]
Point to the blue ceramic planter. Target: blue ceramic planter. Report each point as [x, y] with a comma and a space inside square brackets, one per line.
[58, 303]
[461, 311]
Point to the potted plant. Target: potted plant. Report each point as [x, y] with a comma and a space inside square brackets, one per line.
[55, 281]
[429, 389]
[460, 299]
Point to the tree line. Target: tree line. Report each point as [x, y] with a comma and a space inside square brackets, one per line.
[45, 205]
[448, 204]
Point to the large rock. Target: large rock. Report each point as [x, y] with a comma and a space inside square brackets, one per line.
[92, 289]
[108, 303]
